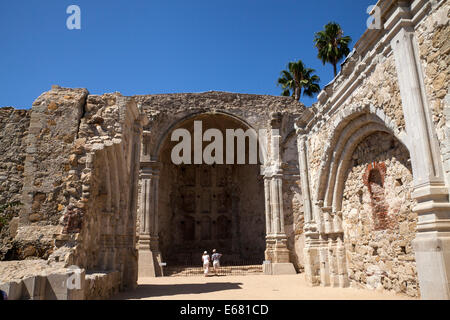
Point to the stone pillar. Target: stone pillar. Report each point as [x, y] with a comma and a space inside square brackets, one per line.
[149, 255]
[312, 243]
[276, 240]
[432, 242]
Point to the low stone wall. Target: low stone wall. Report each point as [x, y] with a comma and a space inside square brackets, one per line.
[45, 280]
[102, 285]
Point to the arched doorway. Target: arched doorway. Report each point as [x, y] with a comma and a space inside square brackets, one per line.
[202, 207]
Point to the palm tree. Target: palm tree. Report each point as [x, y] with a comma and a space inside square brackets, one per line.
[332, 44]
[297, 78]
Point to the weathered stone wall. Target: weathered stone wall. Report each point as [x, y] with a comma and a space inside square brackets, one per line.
[380, 256]
[379, 89]
[446, 149]
[293, 202]
[433, 37]
[358, 225]
[55, 118]
[364, 99]
[13, 130]
[100, 219]
[166, 110]
[80, 190]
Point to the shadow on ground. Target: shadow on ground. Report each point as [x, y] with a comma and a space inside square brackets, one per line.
[159, 290]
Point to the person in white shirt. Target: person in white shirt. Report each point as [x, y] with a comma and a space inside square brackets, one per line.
[216, 261]
[205, 260]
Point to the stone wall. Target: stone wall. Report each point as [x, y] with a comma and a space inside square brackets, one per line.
[202, 207]
[378, 89]
[434, 47]
[293, 202]
[433, 38]
[166, 110]
[55, 117]
[380, 256]
[391, 87]
[99, 220]
[79, 190]
[13, 130]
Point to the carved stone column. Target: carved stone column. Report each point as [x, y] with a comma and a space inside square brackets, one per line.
[432, 242]
[276, 240]
[312, 243]
[149, 255]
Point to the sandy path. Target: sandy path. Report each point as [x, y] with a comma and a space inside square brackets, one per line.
[259, 287]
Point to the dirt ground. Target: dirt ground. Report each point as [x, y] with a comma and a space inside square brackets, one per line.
[256, 287]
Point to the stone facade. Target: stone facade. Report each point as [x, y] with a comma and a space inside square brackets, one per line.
[368, 224]
[193, 201]
[81, 151]
[352, 191]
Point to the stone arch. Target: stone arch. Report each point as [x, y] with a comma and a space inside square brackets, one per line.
[109, 186]
[154, 148]
[378, 222]
[202, 192]
[350, 127]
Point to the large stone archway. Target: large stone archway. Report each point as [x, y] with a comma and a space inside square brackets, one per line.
[201, 207]
[190, 208]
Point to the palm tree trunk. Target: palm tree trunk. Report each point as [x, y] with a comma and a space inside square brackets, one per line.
[297, 93]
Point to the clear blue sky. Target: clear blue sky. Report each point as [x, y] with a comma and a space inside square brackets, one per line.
[164, 46]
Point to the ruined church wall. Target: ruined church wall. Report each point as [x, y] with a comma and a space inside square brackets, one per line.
[166, 110]
[81, 159]
[13, 130]
[101, 218]
[378, 91]
[53, 127]
[433, 38]
[368, 83]
[380, 257]
[293, 203]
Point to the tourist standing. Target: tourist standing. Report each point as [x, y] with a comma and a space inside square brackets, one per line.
[216, 261]
[206, 260]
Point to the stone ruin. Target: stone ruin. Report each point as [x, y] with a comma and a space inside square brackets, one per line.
[356, 195]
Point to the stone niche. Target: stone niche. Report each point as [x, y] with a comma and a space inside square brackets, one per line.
[378, 220]
[205, 207]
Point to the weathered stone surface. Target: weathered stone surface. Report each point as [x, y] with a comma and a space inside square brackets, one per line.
[375, 155]
[384, 252]
[14, 126]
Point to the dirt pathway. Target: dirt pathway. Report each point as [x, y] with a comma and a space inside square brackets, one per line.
[259, 287]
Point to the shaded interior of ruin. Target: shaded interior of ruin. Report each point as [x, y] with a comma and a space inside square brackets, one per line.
[205, 207]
